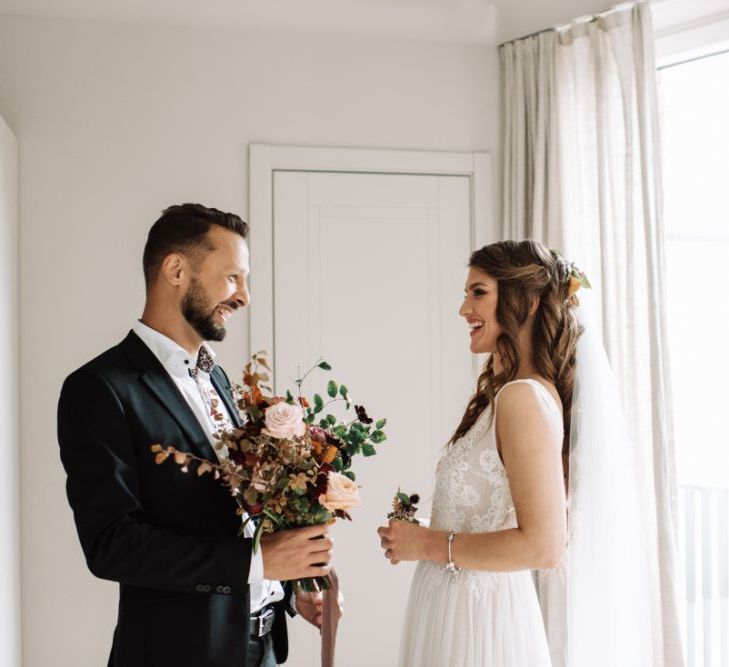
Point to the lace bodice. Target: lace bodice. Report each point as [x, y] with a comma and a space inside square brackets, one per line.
[472, 493]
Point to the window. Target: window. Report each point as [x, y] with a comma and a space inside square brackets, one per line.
[695, 119]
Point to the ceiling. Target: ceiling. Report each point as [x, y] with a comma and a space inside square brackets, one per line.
[463, 21]
[459, 21]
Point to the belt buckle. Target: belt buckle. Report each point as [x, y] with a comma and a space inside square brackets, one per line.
[265, 622]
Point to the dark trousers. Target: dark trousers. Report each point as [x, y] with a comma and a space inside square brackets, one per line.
[260, 652]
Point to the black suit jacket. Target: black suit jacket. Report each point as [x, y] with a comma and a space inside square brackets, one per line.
[170, 539]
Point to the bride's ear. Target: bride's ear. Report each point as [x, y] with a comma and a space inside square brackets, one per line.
[534, 305]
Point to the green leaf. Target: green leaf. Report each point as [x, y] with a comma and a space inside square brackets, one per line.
[289, 397]
[368, 450]
[343, 391]
[332, 389]
[318, 403]
[350, 474]
[331, 420]
[381, 424]
[324, 423]
[377, 437]
[325, 366]
[257, 537]
[241, 530]
[337, 463]
[404, 498]
[275, 519]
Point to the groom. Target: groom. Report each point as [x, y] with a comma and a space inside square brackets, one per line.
[191, 592]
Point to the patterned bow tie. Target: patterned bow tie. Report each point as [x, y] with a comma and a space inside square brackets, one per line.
[204, 362]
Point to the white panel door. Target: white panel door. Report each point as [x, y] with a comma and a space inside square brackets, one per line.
[368, 273]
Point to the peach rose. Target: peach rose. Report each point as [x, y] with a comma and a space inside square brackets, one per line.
[342, 493]
[284, 420]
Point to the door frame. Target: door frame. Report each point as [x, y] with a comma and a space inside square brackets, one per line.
[265, 159]
[10, 472]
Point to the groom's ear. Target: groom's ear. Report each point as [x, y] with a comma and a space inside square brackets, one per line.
[175, 269]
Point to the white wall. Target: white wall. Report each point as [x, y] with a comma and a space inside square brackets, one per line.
[117, 121]
[684, 31]
[9, 450]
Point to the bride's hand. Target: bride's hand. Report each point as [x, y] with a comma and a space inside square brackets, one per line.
[403, 540]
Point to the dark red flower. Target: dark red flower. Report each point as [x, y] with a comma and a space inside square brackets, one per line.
[237, 456]
[362, 414]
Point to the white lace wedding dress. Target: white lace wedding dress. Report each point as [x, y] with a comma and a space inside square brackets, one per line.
[474, 618]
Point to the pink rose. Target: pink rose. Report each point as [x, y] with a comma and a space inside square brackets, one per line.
[342, 493]
[284, 420]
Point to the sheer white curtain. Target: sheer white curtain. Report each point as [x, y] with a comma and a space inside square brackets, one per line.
[581, 172]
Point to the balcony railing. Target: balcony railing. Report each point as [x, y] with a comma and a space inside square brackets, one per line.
[704, 559]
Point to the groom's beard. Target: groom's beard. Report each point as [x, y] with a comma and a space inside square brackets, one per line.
[195, 309]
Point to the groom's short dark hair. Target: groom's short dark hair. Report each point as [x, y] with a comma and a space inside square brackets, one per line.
[184, 228]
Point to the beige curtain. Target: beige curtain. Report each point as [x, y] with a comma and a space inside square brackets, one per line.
[581, 172]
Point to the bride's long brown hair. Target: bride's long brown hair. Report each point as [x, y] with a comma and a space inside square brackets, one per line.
[524, 270]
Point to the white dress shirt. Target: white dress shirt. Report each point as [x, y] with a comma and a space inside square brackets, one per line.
[198, 393]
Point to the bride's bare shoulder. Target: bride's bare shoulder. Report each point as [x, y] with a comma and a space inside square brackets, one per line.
[520, 400]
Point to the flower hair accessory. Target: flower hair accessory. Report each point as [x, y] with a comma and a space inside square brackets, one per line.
[576, 279]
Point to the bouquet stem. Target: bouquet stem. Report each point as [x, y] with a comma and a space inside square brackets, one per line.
[313, 584]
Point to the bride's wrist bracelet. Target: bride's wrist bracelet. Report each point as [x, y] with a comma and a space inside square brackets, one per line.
[450, 565]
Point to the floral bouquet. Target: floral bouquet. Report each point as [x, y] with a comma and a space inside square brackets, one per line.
[404, 507]
[290, 464]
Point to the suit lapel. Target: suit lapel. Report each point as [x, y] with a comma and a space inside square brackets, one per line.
[222, 386]
[158, 382]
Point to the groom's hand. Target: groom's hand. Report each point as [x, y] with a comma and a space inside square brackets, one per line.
[309, 606]
[298, 553]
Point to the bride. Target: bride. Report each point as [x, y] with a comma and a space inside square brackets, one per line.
[499, 508]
